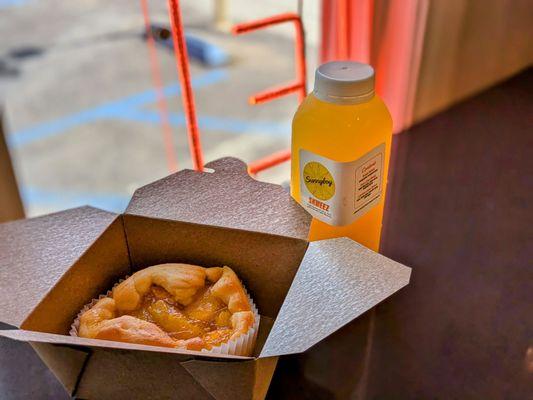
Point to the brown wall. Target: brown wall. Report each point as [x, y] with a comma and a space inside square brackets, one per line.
[470, 45]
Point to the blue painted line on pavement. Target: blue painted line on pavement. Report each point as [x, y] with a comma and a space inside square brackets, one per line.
[12, 3]
[229, 125]
[67, 199]
[114, 109]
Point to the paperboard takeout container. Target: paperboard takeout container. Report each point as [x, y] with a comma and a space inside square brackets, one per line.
[51, 266]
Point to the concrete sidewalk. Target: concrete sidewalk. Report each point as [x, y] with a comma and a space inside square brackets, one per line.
[81, 116]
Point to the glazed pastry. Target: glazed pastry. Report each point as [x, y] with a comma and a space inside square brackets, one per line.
[172, 305]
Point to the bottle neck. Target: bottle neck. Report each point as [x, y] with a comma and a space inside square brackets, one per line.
[344, 99]
[359, 100]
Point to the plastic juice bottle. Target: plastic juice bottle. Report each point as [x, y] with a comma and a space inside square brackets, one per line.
[341, 140]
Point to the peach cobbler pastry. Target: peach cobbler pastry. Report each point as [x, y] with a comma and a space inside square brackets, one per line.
[172, 305]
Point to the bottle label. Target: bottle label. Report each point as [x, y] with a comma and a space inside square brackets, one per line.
[338, 193]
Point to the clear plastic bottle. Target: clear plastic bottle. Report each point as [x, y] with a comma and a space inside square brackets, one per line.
[341, 140]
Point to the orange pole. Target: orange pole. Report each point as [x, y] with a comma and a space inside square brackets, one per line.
[399, 58]
[326, 34]
[342, 29]
[346, 30]
[182, 64]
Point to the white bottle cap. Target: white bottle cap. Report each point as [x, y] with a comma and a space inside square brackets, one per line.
[344, 82]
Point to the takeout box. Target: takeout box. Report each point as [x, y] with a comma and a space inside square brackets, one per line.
[51, 266]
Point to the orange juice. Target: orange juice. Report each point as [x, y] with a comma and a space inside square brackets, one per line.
[341, 140]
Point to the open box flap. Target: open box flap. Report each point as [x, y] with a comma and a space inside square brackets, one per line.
[233, 381]
[39, 337]
[247, 380]
[223, 380]
[337, 281]
[65, 362]
[35, 253]
[228, 197]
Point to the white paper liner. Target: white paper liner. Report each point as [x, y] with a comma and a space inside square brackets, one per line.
[241, 346]
[244, 344]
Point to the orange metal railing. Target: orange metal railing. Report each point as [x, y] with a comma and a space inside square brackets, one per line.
[297, 86]
[182, 63]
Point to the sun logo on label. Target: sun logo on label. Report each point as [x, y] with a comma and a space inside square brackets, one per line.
[318, 180]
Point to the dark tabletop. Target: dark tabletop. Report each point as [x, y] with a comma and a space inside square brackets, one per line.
[458, 213]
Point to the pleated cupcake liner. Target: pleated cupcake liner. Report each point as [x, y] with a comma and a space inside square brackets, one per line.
[243, 345]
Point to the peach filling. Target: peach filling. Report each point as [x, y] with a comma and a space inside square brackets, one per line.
[206, 317]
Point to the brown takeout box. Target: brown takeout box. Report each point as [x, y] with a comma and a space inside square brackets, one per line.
[51, 266]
